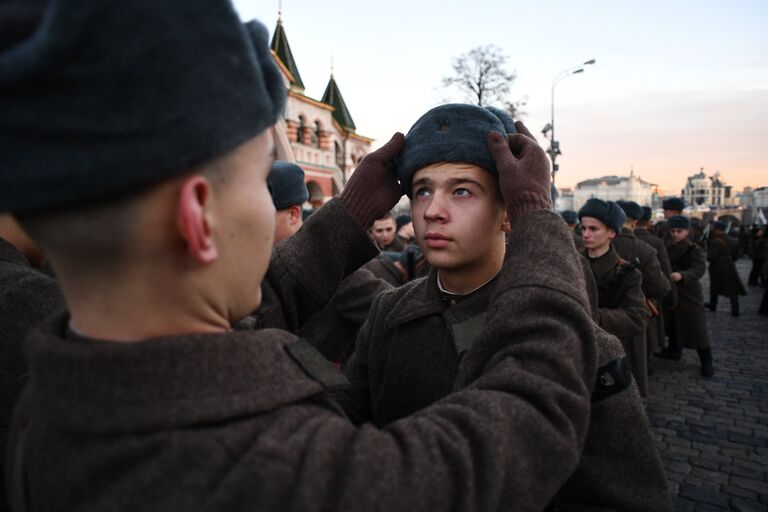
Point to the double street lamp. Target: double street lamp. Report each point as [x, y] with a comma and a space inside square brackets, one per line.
[554, 145]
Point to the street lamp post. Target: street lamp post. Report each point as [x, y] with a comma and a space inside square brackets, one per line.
[554, 146]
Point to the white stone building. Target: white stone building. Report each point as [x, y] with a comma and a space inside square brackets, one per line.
[703, 190]
[614, 188]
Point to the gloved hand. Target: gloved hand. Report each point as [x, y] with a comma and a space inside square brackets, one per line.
[373, 190]
[524, 177]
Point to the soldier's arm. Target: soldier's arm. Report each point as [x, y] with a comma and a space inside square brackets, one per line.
[655, 283]
[628, 319]
[306, 269]
[698, 266]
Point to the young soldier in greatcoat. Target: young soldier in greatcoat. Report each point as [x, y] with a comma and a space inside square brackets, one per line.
[140, 396]
[411, 350]
[623, 311]
[688, 326]
[27, 297]
[333, 329]
[655, 333]
[724, 279]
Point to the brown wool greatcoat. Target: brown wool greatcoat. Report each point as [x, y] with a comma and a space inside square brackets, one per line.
[239, 420]
[623, 314]
[655, 334]
[688, 318]
[407, 358]
[723, 277]
[27, 297]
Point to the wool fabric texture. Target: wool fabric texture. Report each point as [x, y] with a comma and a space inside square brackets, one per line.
[631, 209]
[286, 185]
[647, 213]
[89, 111]
[607, 212]
[679, 221]
[675, 204]
[451, 133]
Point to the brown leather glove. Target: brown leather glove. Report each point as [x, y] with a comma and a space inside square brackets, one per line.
[373, 189]
[523, 167]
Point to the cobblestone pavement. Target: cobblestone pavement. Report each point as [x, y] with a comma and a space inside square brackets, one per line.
[712, 434]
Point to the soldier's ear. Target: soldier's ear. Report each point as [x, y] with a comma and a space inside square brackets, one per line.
[505, 225]
[193, 219]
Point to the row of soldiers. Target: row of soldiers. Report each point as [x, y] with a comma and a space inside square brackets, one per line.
[181, 357]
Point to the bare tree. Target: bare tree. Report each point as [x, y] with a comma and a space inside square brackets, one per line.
[480, 76]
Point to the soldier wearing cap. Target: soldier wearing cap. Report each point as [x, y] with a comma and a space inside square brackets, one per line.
[410, 354]
[724, 279]
[572, 219]
[140, 395]
[655, 334]
[655, 283]
[622, 307]
[687, 324]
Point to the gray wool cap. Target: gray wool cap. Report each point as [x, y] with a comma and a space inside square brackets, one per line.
[631, 209]
[679, 221]
[455, 132]
[607, 212]
[106, 98]
[286, 185]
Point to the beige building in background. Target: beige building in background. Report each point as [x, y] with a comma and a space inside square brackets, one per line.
[614, 188]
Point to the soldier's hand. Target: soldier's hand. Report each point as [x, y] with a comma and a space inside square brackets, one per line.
[524, 175]
[373, 189]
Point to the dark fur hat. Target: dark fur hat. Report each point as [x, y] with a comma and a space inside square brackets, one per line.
[679, 222]
[607, 212]
[570, 216]
[631, 209]
[451, 133]
[286, 185]
[647, 214]
[106, 98]
[676, 204]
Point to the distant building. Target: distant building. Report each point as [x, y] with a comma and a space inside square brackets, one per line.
[564, 201]
[703, 190]
[754, 198]
[319, 135]
[614, 188]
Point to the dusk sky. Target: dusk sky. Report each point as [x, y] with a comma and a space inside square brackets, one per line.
[677, 85]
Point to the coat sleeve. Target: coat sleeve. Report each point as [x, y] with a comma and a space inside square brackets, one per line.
[655, 282]
[628, 319]
[513, 433]
[698, 266]
[305, 270]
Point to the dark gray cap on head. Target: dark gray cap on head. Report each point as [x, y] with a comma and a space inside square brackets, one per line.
[451, 133]
[679, 222]
[569, 216]
[286, 185]
[631, 209]
[607, 212]
[647, 213]
[676, 204]
[106, 98]
[719, 225]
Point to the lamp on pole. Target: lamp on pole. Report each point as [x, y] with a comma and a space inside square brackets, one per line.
[554, 145]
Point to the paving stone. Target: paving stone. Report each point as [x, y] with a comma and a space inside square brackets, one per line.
[744, 505]
[712, 434]
[704, 496]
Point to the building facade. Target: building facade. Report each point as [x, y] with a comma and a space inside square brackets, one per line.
[614, 188]
[703, 190]
[318, 135]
